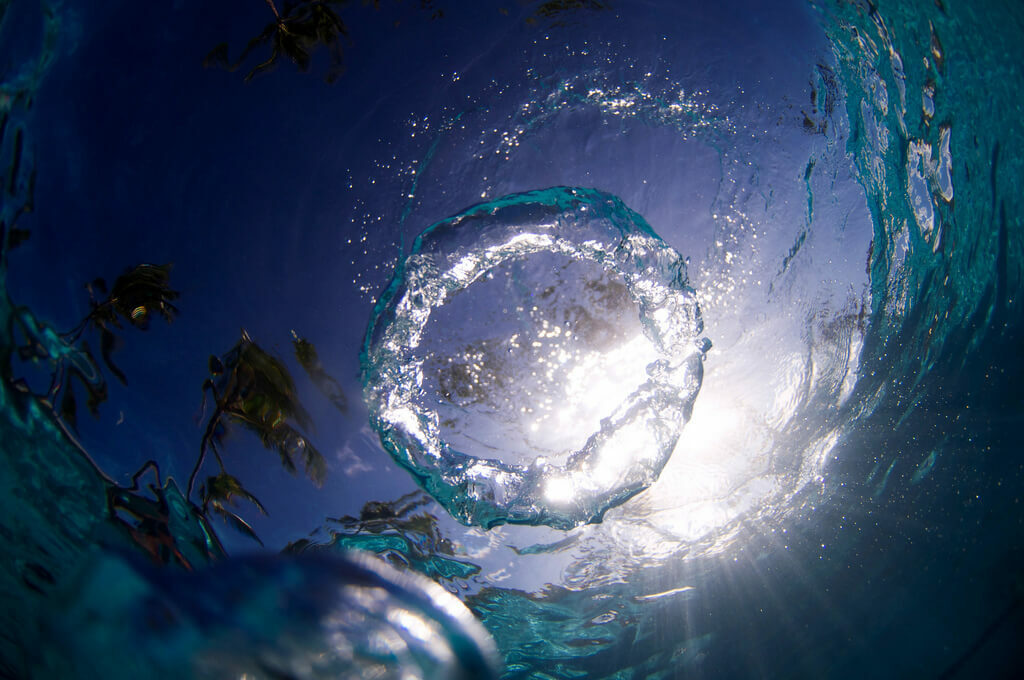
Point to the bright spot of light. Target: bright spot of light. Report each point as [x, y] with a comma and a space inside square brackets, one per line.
[558, 490]
[631, 444]
[594, 386]
[724, 465]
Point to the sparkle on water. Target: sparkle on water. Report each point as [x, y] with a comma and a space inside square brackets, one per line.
[554, 409]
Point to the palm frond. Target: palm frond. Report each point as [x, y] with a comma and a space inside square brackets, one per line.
[142, 291]
[235, 521]
[224, 488]
[254, 389]
[301, 29]
[295, 449]
[308, 358]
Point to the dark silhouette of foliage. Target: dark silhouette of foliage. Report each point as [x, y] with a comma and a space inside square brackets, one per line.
[136, 295]
[219, 492]
[555, 10]
[157, 519]
[253, 389]
[308, 358]
[301, 28]
[249, 387]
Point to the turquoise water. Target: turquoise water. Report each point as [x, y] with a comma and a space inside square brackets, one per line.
[830, 488]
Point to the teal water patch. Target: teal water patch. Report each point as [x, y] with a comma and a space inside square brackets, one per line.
[928, 135]
[403, 532]
[631, 442]
[924, 468]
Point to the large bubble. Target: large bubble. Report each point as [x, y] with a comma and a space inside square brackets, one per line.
[343, 616]
[535, 358]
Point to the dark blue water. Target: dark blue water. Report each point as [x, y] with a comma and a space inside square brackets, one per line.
[836, 182]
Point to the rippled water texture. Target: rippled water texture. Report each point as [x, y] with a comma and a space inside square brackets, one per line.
[513, 249]
[839, 258]
[541, 332]
[344, 617]
[778, 234]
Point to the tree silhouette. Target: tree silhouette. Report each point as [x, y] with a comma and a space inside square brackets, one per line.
[219, 493]
[555, 11]
[138, 294]
[304, 26]
[301, 28]
[307, 356]
[254, 390]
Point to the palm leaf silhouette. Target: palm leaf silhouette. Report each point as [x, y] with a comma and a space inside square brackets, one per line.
[303, 27]
[556, 11]
[308, 358]
[254, 389]
[138, 294]
[220, 492]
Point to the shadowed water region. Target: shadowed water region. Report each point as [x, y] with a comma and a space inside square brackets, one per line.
[603, 339]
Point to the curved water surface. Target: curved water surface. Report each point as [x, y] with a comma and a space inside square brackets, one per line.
[841, 177]
[513, 372]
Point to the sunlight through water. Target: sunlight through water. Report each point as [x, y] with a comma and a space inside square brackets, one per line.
[594, 412]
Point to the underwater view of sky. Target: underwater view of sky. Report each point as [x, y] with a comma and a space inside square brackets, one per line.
[673, 339]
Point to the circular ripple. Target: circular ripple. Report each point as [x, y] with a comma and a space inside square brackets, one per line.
[633, 442]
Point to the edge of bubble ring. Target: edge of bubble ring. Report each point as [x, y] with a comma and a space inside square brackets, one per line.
[475, 478]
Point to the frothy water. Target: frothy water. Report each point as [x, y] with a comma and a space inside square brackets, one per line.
[631, 439]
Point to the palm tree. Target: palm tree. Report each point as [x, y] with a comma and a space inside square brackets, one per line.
[304, 26]
[307, 356]
[219, 493]
[253, 389]
[138, 294]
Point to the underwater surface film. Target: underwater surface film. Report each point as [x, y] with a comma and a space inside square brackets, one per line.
[566, 339]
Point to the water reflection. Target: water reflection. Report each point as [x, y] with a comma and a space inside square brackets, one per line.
[631, 442]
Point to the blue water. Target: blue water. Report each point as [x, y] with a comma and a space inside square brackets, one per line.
[838, 181]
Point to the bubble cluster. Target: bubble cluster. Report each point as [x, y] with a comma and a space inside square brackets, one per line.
[629, 446]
